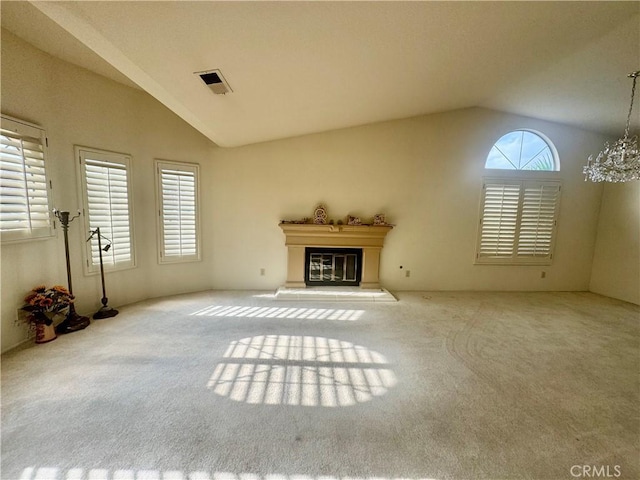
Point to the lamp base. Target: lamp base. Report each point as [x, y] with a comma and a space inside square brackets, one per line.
[72, 323]
[105, 312]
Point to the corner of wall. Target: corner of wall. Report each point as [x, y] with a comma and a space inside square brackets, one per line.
[615, 269]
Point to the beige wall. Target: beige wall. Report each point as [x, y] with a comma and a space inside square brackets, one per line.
[78, 107]
[616, 262]
[424, 173]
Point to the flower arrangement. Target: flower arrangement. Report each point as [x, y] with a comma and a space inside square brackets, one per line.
[44, 303]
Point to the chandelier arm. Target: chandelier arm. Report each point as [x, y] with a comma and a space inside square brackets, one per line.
[633, 75]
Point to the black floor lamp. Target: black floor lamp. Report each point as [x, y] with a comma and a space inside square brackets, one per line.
[105, 311]
[73, 322]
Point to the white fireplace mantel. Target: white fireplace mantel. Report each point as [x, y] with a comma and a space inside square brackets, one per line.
[370, 238]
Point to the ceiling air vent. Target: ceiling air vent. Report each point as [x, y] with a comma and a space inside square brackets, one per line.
[215, 81]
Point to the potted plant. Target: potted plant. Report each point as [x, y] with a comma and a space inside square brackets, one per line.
[42, 305]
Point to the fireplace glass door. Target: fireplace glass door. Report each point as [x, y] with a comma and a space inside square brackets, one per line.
[333, 266]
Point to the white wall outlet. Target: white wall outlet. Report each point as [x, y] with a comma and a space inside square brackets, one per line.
[262, 272]
[20, 319]
[20, 322]
[407, 273]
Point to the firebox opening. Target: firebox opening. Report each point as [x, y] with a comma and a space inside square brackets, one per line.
[333, 266]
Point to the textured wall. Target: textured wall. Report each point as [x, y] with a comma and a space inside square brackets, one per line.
[75, 106]
[616, 262]
[425, 173]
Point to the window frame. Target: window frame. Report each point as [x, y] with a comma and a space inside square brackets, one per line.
[522, 182]
[543, 137]
[163, 258]
[112, 157]
[23, 129]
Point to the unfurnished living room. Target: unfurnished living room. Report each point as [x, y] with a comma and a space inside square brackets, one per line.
[320, 240]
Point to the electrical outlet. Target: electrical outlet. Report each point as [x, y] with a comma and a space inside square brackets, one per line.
[20, 322]
[543, 274]
[262, 271]
[20, 318]
[407, 273]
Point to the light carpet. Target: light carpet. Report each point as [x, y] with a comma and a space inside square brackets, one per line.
[237, 386]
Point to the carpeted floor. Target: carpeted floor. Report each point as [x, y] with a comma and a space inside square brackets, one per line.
[237, 386]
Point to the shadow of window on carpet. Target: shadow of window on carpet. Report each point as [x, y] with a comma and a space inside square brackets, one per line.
[300, 370]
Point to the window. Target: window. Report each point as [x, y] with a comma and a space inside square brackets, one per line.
[518, 220]
[106, 193]
[522, 150]
[178, 230]
[25, 211]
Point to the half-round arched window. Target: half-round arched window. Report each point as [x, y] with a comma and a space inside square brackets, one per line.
[523, 150]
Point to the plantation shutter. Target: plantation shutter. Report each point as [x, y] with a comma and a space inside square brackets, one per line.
[518, 222]
[24, 189]
[499, 220]
[538, 222]
[108, 207]
[177, 186]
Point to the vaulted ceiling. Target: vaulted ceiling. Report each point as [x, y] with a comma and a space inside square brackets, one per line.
[303, 67]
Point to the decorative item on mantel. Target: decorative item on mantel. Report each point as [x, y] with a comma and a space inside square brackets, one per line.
[379, 219]
[43, 305]
[619, 162]
[320, 217]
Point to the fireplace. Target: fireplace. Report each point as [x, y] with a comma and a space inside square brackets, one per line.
[368, 239]
[333, 266]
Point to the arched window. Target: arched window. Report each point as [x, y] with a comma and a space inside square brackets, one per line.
[519, 213]
[523, 150]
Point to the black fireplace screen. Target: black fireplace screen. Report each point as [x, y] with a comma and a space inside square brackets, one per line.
[333, 266]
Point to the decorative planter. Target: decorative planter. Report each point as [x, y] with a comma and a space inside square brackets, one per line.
[45, 330]
[45, 333]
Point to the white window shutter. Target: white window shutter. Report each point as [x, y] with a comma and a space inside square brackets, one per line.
[24, 200]
[108, 206]
[178, 210]
[518, 221]
[538, 220]
[499, 220]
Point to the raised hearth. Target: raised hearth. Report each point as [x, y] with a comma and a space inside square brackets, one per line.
[369, 238]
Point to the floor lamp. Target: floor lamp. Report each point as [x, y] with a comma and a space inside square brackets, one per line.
[73, 322]
[105, 311]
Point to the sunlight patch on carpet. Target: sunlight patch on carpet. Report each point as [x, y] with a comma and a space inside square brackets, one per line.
[300, 370]
[53, 473]
[280, 312]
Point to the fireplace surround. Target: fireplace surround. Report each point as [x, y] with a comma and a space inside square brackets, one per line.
[369, 238]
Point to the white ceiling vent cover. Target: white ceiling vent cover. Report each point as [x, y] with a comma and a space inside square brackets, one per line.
[215, 81]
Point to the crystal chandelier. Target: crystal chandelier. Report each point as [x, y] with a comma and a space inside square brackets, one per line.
[619, 162]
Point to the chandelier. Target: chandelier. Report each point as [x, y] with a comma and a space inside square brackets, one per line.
[619, 162]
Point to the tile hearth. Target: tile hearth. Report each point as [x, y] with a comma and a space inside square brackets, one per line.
[334, 294]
